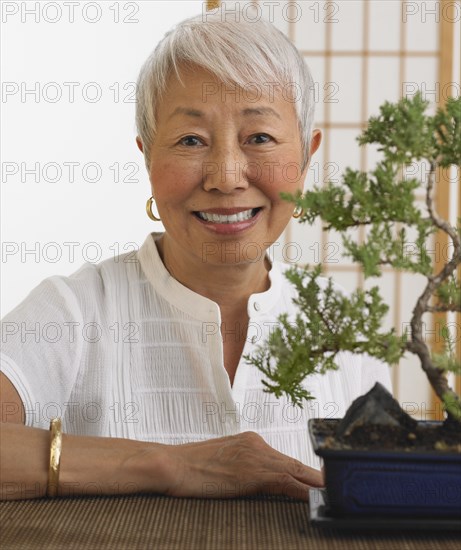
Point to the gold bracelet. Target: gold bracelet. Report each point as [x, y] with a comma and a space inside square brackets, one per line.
[55, 457]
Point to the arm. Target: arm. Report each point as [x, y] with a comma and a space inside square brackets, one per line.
[218, 468]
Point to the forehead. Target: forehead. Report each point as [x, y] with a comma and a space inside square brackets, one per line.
[197, 92]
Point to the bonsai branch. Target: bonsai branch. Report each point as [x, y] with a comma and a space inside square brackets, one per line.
[417, 345]
[378, 200]
[444, 308]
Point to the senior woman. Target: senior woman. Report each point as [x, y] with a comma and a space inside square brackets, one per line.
[149, 380]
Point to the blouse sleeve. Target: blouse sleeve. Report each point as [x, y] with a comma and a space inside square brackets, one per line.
[41, 347]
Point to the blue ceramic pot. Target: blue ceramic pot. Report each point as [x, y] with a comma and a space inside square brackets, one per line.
[394, 483]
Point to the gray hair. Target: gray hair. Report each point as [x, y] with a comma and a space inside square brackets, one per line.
[238, 52]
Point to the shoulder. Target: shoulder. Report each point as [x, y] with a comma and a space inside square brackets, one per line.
[92, 287]
[107, 273]
[98, 277]
[79, 293]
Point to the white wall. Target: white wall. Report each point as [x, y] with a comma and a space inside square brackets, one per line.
[103, 57]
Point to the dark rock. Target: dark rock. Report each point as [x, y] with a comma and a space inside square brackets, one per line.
[376, 407]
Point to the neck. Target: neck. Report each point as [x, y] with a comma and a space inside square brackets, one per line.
[229, 285]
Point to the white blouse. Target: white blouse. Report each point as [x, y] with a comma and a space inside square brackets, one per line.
[122, 349]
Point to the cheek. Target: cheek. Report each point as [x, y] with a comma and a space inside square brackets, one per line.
[171, 183]
[284, 178]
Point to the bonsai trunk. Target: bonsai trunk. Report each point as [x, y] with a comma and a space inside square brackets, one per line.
[417, 345]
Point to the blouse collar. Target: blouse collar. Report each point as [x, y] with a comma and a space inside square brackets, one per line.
[190, 302]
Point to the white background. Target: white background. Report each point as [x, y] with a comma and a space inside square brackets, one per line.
[38, 217]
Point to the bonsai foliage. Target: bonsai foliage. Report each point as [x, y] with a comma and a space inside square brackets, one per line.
[383, 202]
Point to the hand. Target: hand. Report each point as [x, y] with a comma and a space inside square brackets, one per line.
[238, 465]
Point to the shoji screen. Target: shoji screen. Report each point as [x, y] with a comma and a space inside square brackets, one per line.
[362, 53]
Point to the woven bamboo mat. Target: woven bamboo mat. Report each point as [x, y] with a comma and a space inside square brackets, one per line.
[155, 522]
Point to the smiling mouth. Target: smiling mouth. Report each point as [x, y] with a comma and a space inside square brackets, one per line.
[231, 218]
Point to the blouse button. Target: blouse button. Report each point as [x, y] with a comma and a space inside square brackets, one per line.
[257, 306]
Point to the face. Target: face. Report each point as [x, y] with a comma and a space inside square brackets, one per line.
[218, 165]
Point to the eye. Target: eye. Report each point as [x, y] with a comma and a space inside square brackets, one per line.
[259, 139]
[190, 141]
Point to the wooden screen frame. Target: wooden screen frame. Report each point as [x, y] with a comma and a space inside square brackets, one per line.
[445, 76]
[442, 192]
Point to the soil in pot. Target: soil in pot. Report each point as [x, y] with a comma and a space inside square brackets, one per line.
[376, 421]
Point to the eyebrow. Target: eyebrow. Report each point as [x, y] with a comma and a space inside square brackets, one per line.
[186, 111]
[259, 111]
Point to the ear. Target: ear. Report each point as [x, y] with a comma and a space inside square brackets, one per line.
[315, 141]
[139, 144]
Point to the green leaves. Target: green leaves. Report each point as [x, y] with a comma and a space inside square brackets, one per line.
[402, 131]
[377, 201]
[449, 294]
[447, 127]
[330, 322]
[452, 406]
[447, 361]
[383, 202]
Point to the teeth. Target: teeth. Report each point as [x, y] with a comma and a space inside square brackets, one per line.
[233, 218]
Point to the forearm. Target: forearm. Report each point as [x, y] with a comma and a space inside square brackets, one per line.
[219, 468]
[89, 465]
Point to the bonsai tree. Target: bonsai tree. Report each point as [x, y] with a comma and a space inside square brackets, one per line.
[382, 201]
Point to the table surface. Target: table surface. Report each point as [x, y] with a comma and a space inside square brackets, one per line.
[138, 521]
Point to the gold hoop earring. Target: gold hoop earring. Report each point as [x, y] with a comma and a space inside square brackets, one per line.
[149, 202]
[298, 212]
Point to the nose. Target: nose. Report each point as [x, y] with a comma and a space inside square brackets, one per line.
[225, 171]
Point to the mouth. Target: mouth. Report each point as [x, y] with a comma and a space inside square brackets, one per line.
[218, 216]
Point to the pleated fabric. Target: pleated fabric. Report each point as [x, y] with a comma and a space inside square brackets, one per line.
[122, 349]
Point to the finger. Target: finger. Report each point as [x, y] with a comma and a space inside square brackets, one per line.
[308, 476]
[305, 474]
[301, 472]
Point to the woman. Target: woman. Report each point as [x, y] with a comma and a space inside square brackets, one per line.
[142, 360]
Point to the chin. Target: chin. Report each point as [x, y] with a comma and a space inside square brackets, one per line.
[233, 252]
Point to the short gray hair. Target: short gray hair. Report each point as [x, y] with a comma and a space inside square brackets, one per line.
[238, 52]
